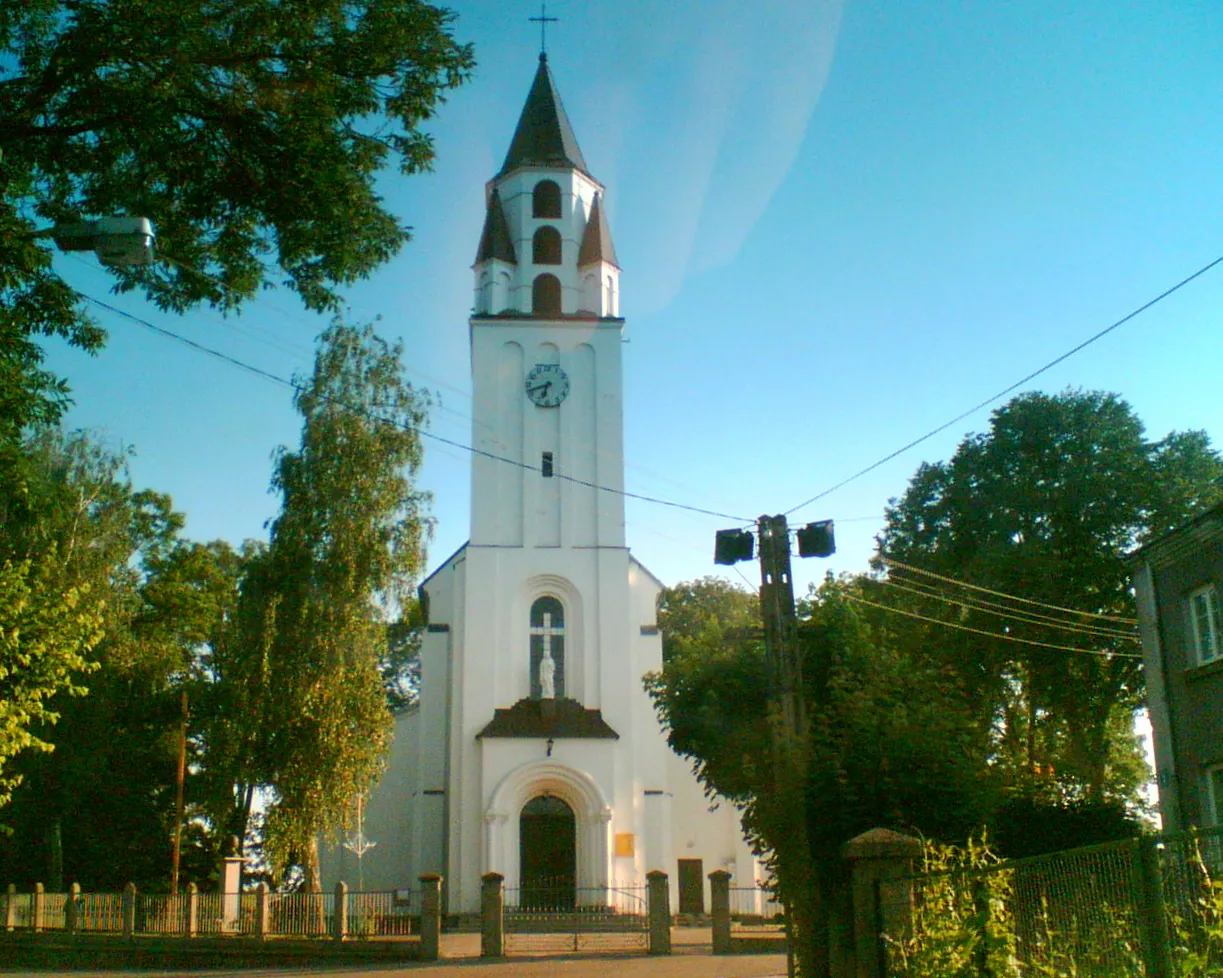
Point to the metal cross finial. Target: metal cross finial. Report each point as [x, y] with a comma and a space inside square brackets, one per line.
[543, 20]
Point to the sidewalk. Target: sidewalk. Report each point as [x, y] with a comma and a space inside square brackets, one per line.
[460, 959]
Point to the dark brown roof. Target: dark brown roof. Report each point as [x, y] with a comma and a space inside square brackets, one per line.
[559, 718]
[495, 241]
[596, 239]
[543, 136]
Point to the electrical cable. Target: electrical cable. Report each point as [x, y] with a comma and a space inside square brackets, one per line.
[275, 378]
[1026, 617]
[1002, 594]
[434, 381]
[1019, 383]
[998, 635]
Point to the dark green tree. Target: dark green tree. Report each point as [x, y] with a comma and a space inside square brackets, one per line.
[96, 805]
[889, 741]
[251, 133]
[1045, 505]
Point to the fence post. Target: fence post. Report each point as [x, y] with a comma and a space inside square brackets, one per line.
[1153, 921]
[719, 908]
[339, 922]
[262, 906]
[40, 906]
[659, 911]
[981, 910]
[72, 909]
[492, 916]
[129, 910]
[430, 916]
[875, 858]
[10, 908]
[193, 909]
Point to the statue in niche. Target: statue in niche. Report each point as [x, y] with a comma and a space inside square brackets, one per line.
[547, 676]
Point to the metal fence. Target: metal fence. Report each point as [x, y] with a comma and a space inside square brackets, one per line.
[247, 914]
[555, 916]
[755, 909]
[1150, 907]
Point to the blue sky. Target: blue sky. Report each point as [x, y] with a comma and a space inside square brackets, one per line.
[840, 225]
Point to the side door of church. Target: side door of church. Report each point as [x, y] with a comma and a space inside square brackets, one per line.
[691, 887]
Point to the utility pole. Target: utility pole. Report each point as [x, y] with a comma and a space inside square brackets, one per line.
[175, 854]
[780, 625]
[787, 713]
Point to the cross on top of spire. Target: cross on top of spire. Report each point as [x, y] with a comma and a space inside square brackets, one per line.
[543, 20]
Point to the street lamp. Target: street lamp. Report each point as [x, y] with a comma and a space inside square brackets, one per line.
[120, 241]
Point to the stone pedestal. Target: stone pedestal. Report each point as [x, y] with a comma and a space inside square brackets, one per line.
[231, 893]
[719, 908]
[430, 916]
[339, 919]
[874, 856]
[659, 911]
[492, 916]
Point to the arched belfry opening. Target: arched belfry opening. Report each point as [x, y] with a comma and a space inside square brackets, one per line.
[547, 854]
[546, 296]
[546, 246]
[546, 199]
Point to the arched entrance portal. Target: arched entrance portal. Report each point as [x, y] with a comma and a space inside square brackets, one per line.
[547, 853]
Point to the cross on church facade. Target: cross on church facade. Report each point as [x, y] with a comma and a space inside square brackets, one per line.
[543, 20]
[546, 632]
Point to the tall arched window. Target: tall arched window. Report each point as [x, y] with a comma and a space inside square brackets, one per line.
[546, 296]
[546, 247]
[546, 201]
[547, 641]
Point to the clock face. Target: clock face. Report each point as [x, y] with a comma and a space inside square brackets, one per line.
[547, 385]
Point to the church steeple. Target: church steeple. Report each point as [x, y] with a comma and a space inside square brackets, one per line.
[543, 136]
[546, 250]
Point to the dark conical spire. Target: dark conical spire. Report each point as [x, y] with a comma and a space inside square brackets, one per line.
[495, 241]
[596, 239]
[543, 136]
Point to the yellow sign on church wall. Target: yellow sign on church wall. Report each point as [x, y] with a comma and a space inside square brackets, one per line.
[624, 843]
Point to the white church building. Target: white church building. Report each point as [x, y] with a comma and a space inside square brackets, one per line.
[534, 751]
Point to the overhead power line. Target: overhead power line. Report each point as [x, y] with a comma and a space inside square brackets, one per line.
[999, 635]
[1014, 614]
[285, 382]
[436, 382]
[1002, 594]
[1007, 390]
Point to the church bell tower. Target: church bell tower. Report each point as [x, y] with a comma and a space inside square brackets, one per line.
[545, 341]
[534, 751]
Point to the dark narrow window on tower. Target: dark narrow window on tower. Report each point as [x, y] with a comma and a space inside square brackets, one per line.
[546, 201]
[546, 296]
[545, 465]
[546, 247]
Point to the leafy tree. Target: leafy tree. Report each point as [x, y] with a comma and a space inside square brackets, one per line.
[308, 717]
[251, 133]
[65, 521]
[98, 807]
[688, 609]
[45, 640]
[1045, 505]
[889, 743]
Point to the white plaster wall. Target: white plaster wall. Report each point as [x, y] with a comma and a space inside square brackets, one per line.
[707, 829]
[585, 434]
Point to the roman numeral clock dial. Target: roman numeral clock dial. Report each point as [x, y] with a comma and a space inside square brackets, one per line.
[547, 385]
